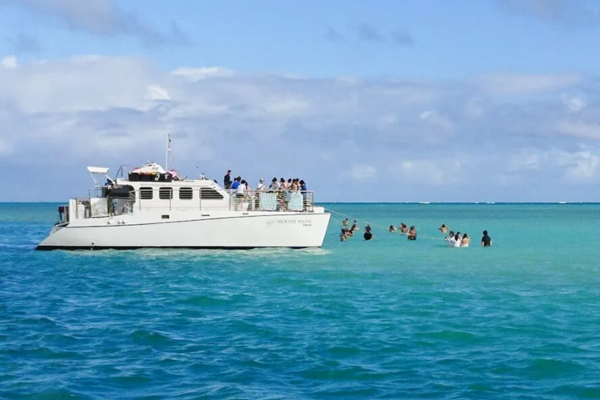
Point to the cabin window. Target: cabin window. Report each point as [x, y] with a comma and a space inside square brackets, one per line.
[165, 193]
[146, 193]
[186, 193]
[210, 194]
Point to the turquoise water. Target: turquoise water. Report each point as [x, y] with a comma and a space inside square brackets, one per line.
[356, 320]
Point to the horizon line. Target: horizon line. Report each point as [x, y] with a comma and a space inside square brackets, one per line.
[377, 202]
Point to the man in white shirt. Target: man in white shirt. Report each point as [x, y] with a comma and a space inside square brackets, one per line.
[261, 186]
[450, 239]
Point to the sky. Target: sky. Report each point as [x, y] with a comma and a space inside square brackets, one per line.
[379, 100]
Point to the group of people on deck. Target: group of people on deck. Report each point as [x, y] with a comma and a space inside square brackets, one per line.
[291, 185]
[282, 188]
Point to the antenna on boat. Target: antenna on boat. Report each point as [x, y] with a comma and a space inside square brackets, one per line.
[168, 156]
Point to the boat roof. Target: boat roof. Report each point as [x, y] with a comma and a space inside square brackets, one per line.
[97, 170]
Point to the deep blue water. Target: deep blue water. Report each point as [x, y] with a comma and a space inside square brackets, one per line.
[356, 320]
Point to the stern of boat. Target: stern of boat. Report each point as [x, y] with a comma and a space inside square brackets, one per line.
[62, 222]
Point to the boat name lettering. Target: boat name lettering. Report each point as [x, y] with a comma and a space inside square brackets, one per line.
[304, 222]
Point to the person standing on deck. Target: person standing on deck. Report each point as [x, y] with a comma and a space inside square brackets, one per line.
[227, 180]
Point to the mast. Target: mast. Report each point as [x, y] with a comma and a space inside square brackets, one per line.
[168, 155]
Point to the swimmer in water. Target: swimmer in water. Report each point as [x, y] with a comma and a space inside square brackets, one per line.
[457, 240]
[465, 240]
[443, 229]
[368, 235]
[486, 240]
[354, 227]
[345, 222]
[450, 239]
[343, 236]
[412, 233]
[403, 228]
[392, 228]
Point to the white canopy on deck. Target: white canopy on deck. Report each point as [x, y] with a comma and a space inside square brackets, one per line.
[149, 169]
[98, 170]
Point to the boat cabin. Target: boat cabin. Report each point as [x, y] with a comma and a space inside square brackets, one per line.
[151, 189]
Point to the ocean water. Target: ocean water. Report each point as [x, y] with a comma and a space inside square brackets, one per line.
[386, 319]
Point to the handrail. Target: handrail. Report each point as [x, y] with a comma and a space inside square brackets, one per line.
[269, 200]
[252, 200]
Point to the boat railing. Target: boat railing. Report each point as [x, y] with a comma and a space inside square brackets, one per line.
[164, 201]
[98, 207]
[281, 200]
[252, 200]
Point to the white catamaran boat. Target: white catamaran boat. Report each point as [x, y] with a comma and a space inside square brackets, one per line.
[154, 208]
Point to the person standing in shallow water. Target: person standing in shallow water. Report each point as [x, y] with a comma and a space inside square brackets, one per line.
[403, 227]
[465, 241]
[368, 235]
[412, 233]
[486, 240]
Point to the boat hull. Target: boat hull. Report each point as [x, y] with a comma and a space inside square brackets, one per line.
[243, 231]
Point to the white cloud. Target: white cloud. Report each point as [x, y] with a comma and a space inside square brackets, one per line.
[579, 166]
[389, 119]
[114, 110]
[573, 104]
[195, 74]
[569, 166]
[5, 148]
[155, 92]
[427, 172]
[474, 108]
[437, 120]
[579, 129]
[362, 172]
[75, 84]
[350, 80]
[8, 62]
[512, 84]
[524, 160]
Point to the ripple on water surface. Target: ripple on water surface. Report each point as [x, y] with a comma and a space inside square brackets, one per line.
[381, 319]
